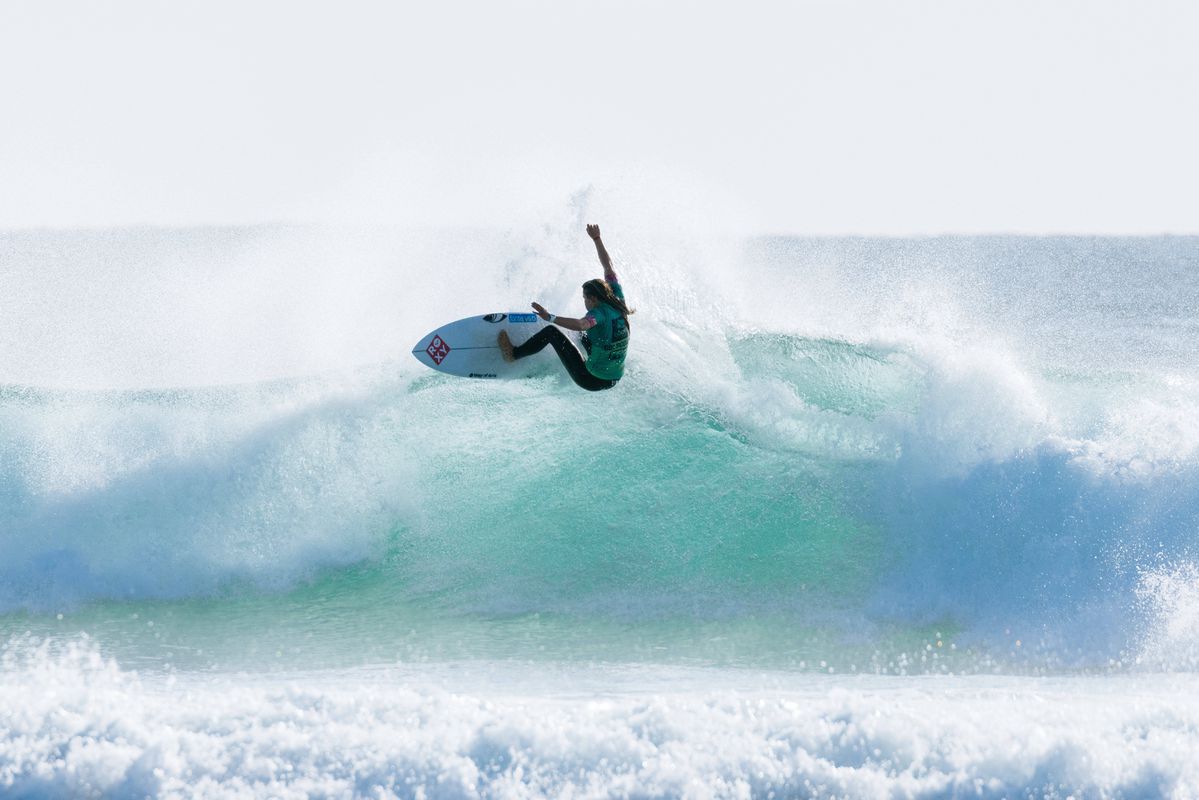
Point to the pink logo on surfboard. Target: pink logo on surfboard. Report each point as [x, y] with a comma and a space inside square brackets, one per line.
[438, 350]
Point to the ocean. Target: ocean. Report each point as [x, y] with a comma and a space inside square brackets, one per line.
[866, 518]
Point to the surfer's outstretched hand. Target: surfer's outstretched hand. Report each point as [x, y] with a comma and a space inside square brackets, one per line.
[541, 312]
[593, 232]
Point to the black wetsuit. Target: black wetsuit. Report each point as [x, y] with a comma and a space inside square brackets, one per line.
[569, 355]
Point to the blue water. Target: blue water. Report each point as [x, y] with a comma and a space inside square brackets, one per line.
[249, 545]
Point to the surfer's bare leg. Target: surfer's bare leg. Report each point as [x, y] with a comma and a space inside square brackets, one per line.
[505, 346]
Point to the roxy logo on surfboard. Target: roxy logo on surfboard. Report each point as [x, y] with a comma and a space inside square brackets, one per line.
[438, 349]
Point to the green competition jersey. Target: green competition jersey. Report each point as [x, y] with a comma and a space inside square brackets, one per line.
[609, 339]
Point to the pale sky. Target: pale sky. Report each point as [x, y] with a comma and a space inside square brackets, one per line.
[853, 116]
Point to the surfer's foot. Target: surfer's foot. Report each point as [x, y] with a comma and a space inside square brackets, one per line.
[505, 346]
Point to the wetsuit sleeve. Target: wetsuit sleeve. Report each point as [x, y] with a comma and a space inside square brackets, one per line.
[587, 321]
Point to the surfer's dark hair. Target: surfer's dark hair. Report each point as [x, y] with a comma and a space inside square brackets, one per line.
[601, 290]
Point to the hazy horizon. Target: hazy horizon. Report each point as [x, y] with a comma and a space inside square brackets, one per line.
[814, 118]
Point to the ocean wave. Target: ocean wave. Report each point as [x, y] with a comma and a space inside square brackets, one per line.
[822, 481]
[884, 456]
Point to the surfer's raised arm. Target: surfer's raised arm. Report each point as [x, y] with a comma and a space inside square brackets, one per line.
[594, 232]
[606, 326]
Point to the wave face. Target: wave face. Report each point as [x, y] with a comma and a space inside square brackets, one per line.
[853, 454]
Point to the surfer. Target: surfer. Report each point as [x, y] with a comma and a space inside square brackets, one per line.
[605, 329]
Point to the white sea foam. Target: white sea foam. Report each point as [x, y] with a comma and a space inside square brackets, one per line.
[76, 724]
[1152, 434]
[1170, 596]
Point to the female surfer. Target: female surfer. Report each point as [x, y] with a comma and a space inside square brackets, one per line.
[605, 329]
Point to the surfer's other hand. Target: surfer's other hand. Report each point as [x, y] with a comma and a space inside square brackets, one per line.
[593, 232]
[541, 312]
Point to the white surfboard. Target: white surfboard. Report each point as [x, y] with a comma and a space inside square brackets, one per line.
[468, 347]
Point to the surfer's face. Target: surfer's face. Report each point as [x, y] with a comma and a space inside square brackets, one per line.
[589, 301]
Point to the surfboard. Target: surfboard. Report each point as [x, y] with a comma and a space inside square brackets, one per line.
[468, 348]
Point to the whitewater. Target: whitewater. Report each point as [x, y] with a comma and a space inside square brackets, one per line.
[866, 517]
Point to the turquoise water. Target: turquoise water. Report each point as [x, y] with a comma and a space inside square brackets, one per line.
[848, 466]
